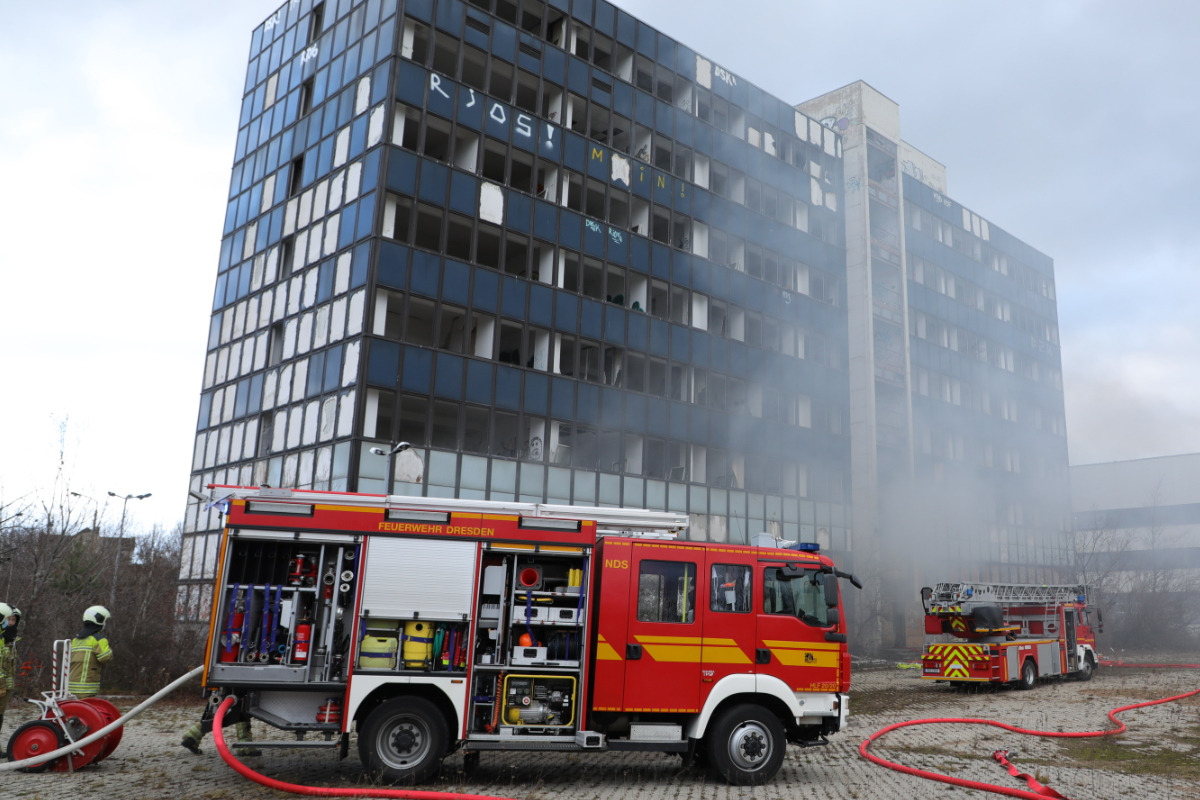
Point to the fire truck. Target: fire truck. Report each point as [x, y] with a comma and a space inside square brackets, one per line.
[426, 626]
[1007, 633]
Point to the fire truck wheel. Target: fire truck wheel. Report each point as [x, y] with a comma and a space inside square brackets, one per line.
[32, 738]
[403, 741]
[1028, 675]
[745, 745]
[1087, 669]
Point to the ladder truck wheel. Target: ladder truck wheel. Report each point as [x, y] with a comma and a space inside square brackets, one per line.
[1087, 668]
[34, 738]
[1028, 675]
[403, 741]
[745, 745]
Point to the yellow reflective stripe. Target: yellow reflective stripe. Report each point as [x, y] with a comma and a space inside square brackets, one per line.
[777, 644]
[606, 652]
[967, 651]
[807, 658]
[675, 653]
[724, 655]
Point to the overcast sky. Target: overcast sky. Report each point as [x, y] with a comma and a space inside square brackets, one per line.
[1065, 123]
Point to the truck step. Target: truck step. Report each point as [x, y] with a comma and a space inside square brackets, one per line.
[523, 743]
[276, 744]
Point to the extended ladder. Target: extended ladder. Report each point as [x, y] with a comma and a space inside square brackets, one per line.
[1005, 593]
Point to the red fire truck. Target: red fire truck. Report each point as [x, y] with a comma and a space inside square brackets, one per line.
[1006, 633]
[429, 625]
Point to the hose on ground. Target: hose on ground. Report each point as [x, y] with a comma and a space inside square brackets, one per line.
[1148, 666]
[91, 737]
[321, 791]
[989, 787]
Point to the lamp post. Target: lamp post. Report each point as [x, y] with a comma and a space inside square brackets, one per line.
[390, 454]
[95, 510]
[112, 598]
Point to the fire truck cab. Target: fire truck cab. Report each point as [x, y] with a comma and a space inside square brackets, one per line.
[428, 625]
[1007, 633]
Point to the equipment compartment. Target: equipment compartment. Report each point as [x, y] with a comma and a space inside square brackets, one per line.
[280, 613]
[538, 701]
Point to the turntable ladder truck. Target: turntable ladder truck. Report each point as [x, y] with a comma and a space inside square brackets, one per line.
[1007, 633]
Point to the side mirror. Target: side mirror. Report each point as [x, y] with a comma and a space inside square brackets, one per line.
[926, 597]
[830, 584]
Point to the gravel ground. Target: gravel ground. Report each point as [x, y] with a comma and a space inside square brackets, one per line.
[1159, 757]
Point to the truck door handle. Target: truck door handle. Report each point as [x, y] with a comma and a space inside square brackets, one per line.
[633, 652]
[762, 656]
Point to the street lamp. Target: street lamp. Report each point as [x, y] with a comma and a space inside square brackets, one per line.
[112, 598]
[396, 449]
[95, 510]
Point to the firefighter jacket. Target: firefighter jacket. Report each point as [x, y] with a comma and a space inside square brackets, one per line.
[8, 664]
[88, 656]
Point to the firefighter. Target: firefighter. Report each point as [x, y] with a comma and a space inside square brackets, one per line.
[89, 653]
[195, 734]
[10, 618]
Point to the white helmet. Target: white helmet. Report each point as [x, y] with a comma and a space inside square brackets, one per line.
[97, 614]
[6, 611]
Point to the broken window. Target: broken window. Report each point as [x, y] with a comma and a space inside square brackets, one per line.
[419, 322]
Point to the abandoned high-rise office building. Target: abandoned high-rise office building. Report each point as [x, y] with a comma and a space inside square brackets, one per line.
[570, 260]
[565, 257]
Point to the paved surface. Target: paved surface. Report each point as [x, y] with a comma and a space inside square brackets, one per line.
[1158, 758]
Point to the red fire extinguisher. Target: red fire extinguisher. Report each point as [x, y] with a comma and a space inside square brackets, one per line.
[231, 638]
[303, 636]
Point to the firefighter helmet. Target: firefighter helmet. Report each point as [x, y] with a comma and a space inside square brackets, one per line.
[97, 614]
[6, 611]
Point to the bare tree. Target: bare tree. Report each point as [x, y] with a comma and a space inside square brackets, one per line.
[1143, 577]
[1098, 558]
[53, 565]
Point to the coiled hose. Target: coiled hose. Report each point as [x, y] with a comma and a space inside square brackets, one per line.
[989, 787]
[321, 791]
[91, 737]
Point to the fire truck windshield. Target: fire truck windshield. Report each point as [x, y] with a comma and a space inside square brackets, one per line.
[801, 597]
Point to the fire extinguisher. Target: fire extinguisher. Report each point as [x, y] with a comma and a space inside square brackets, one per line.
[231, 641]
[303, 637]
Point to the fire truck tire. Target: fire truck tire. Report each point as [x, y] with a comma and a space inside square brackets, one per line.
[1087, 669]
[403, 741]
[745, 745]
[32, 738]
[1028, 675]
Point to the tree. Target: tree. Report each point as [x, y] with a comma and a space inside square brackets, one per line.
[55, 565]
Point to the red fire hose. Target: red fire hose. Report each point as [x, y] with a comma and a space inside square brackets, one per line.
[322, 791]
[1149, 666]
[989, 787]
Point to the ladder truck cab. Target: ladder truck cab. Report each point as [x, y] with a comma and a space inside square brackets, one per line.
[424, 626]
[1006, 633]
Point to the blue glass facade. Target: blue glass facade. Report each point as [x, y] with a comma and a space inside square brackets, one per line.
[564, 256]
[987, 391]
